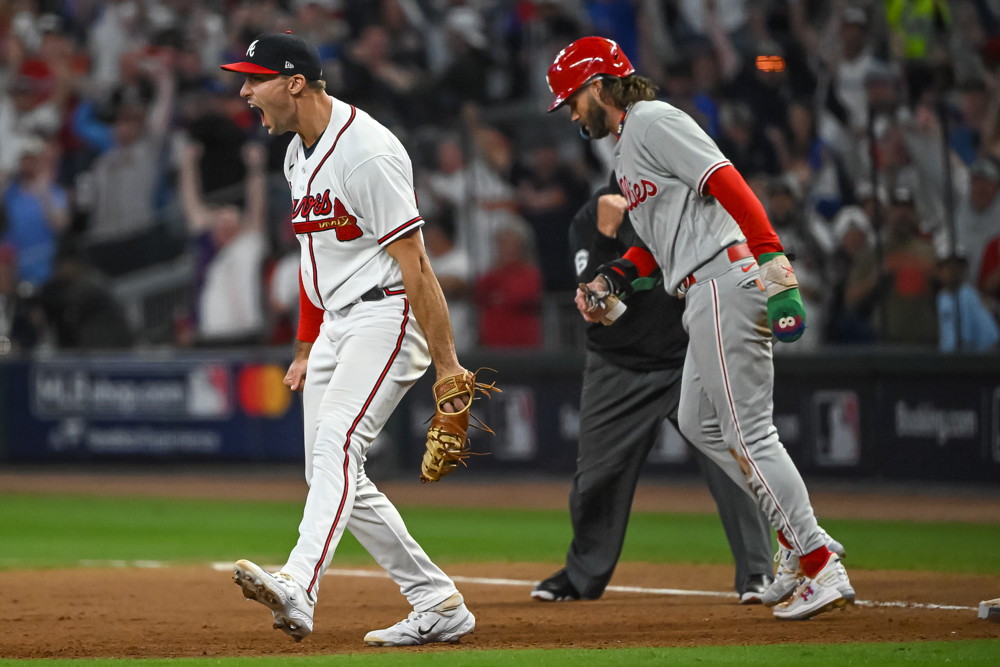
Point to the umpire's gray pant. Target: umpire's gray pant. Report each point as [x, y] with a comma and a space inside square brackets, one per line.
[620, 416]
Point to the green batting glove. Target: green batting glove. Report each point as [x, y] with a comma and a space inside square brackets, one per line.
[786, 313]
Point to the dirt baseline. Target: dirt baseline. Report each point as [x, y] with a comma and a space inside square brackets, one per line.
[198, 611]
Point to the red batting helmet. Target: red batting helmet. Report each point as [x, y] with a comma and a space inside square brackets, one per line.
[580, 62]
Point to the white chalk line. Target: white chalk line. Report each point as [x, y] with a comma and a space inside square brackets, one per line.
[489, 581]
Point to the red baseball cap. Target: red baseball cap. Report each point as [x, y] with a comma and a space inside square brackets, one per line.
[580, 62]
[280, 53]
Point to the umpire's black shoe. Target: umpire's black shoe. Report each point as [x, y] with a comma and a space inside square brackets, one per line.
[556, 588]
[754, 590]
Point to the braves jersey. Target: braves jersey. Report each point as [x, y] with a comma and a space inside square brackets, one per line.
[351, 196]
[662, 161]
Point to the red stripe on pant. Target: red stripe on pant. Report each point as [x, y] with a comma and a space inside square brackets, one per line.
[732, 410]
[347, 444]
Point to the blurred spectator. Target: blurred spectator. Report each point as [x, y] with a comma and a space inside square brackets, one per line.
[616, 19]
[230, 246]
[909, 155]
[467, 74]
[910, 265]
[481, 191]
[697, 20]
[743, 143]
[810, 243]
[683, 92]
[805, 157]
[383, 76]
[250, 18]
[27, 109]
[918, 38]
[105, 80]
[454, 271]
[323, 23]
[977, 219]
[854, 277]
[851, 67]
[120, 28]
[549, 193]
[18, 328]
[80, 311]
[202, 32]
[37, 211]
[509, 295]
[967, 128]
[965, 323]
[120, 193]
[281, 282]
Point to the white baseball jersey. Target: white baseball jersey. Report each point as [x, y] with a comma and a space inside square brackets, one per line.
[352, 195]
[663, 160]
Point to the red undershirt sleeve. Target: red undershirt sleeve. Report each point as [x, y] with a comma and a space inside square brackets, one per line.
[728, 187]
[310, 316]
[643, 260]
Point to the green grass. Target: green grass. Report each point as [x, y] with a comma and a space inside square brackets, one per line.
[977, 652]
[52, 531]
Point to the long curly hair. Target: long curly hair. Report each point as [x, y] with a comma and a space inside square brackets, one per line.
[623, 91]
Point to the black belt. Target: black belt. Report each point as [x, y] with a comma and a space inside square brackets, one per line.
[379, 293]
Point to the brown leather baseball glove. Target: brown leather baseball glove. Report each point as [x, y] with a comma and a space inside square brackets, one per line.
[447, 439]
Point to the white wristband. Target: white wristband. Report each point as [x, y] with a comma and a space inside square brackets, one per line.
[777, 275]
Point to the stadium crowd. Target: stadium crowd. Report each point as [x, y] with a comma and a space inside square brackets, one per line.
[869, 129]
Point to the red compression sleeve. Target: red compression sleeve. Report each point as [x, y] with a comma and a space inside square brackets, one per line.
[643, 260]
[729, 188]
[310, 316]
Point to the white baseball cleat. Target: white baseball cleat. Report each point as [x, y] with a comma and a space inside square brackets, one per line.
[787, 576]
[447, 622]
[291, 605]
[829, 589]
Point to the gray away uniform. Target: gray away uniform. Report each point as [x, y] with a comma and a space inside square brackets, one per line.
[663, 160]
[631, 383]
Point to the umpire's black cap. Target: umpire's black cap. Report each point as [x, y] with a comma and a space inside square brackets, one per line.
[279, 53]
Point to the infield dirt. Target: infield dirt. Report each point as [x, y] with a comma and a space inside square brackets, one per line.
[198, 611]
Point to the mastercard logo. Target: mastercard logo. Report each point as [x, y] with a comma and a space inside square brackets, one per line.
[262, 392]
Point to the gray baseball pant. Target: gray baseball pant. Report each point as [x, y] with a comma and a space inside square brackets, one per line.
[620, 416]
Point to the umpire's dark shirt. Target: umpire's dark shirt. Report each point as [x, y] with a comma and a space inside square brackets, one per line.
[649, 335]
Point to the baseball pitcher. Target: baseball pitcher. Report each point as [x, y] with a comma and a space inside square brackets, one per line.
[372, 320]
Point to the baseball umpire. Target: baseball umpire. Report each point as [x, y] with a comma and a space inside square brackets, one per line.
[710, 235]
[372, 320]
[631, 382]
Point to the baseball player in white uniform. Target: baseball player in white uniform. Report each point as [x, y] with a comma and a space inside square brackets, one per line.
[712, 239]
[372, 319]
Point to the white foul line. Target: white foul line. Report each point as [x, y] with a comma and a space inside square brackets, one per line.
[488, 581]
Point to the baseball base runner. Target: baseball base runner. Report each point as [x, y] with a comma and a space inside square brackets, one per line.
[709, 234]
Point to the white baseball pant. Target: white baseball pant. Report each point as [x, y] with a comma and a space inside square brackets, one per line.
[361, 365]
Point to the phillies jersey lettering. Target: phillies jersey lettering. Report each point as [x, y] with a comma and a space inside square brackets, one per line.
[351, 196]
[637, 194]
[662, 161]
